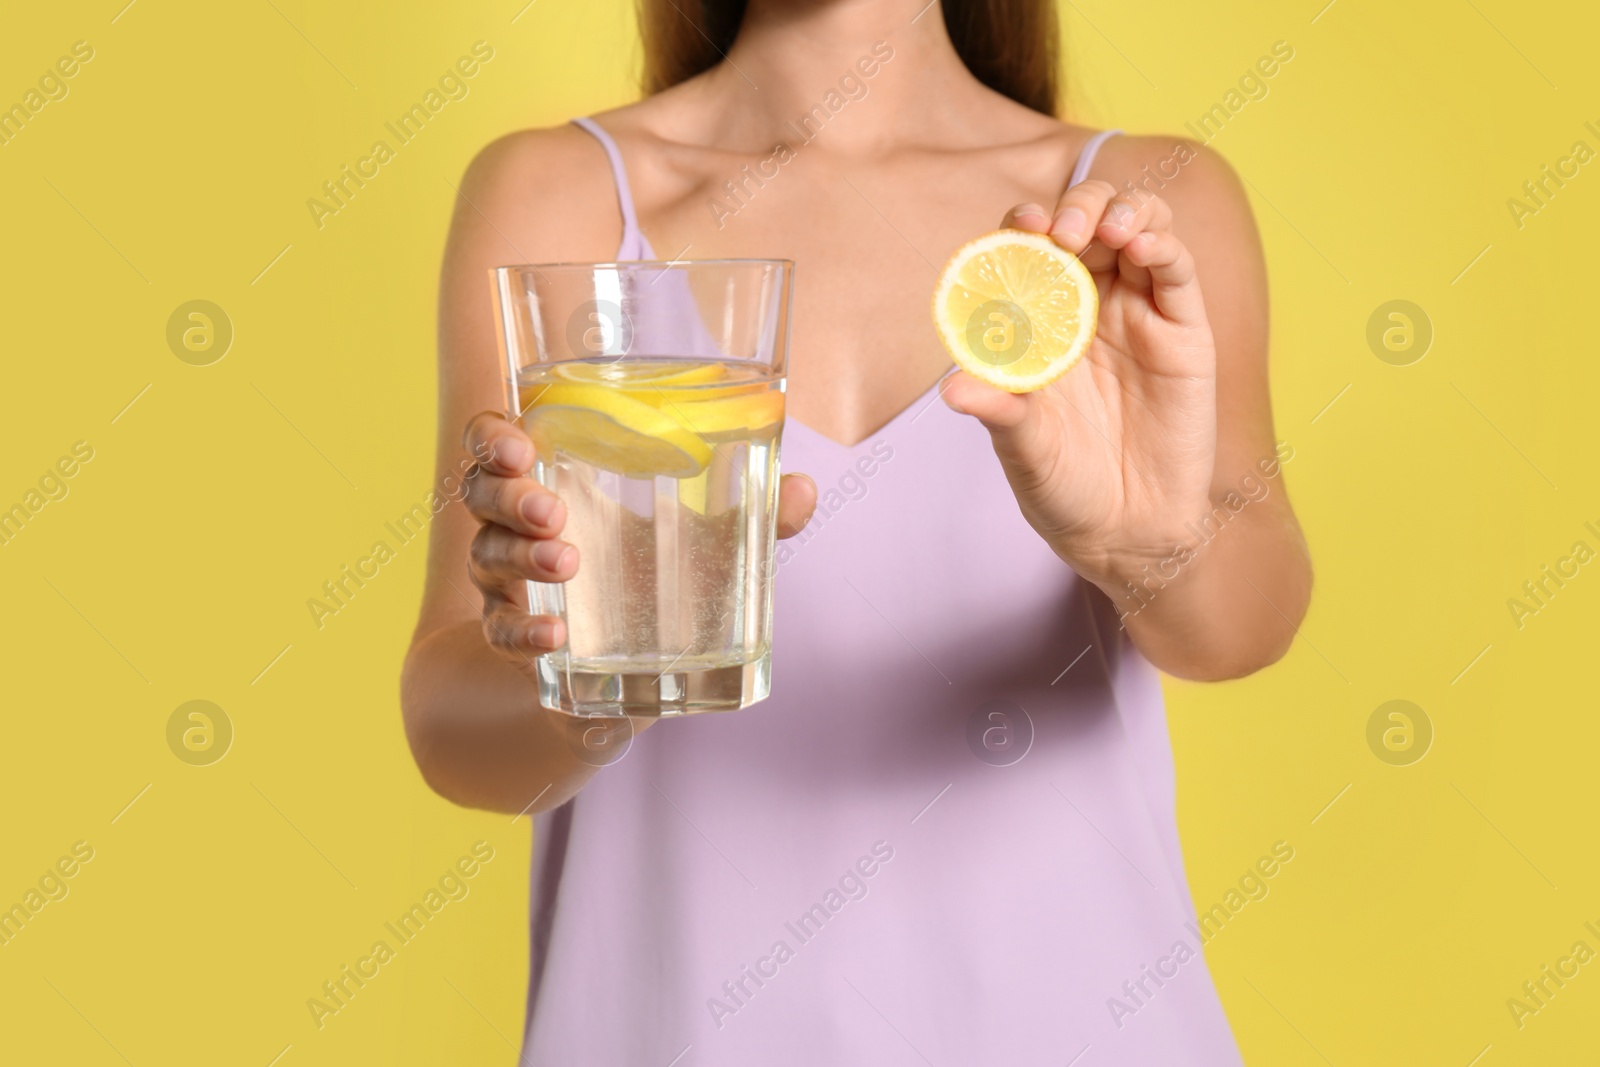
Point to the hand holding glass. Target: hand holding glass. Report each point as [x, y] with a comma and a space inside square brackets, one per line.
[653, 394]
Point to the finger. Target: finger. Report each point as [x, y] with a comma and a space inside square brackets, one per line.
[518, 636]
[497, 444]
[1168, 267]
[995, 408]
[1030, 217]
[1099, 259]
[504, 608]
[1014, 420]
[797, 499]
[1126, 217]
[1094, 219]
[499, 556]
[1130, 215]
[520, 504]
[1078, 212]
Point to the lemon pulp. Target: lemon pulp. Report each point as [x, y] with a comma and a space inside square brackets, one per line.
[1015, 309]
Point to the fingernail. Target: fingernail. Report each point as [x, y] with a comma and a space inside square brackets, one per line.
[513, 452]
[551, 555]
[545, 633]
[540, 508]
[1073, 225]
[1119, 216]
[1026, 210]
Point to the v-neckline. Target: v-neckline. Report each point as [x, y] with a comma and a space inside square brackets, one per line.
[918, 405]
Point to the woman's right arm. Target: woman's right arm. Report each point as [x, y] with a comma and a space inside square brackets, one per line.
[467, 691]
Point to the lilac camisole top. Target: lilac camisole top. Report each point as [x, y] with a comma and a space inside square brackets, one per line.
[947, 838]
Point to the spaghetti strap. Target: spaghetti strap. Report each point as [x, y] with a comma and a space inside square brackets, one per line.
[634, 244]
[1086, 157]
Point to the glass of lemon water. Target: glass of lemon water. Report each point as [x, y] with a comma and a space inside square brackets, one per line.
[653, 393]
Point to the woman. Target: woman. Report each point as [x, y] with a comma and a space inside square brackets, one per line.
[949, 836]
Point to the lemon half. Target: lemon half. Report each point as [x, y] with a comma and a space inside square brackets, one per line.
[1015, 309]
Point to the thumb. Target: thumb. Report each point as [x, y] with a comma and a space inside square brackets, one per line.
[999, 411]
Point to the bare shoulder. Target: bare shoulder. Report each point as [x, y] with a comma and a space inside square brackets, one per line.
[535, 196]
[540, 195]
[1210, 207]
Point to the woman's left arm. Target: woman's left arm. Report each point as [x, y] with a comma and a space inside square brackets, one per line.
[1151, 467]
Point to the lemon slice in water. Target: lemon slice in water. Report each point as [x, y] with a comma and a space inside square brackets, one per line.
[727, 412]
[666, 374]
[603, 426]
[1015, 309]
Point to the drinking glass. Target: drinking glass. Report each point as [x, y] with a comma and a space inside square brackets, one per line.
[653, 392]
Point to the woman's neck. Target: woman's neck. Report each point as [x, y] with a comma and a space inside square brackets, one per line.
[793, 57]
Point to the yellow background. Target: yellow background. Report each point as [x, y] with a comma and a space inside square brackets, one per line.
[178, 566]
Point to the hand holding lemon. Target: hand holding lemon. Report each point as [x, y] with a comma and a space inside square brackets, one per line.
[1110, 460]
